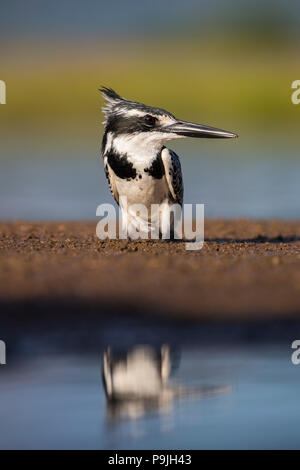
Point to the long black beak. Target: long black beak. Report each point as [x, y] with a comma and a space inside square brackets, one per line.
[189, 129]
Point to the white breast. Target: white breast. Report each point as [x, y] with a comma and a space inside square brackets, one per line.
[140, 151]
[146, 190]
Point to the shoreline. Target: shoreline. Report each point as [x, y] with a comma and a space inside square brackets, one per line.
[247, 271]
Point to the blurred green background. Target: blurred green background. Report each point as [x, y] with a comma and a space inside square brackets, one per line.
[225, 63]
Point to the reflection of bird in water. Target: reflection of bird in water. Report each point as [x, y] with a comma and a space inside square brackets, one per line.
[137, 382]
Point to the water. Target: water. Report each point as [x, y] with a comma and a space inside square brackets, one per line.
[231, 394]
[67, 186]
[237, 389]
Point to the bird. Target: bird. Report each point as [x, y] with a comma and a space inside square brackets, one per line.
[141, 171]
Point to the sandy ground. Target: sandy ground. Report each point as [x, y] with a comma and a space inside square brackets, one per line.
[246, 270]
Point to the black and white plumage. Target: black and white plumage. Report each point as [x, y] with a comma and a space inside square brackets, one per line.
[173, 175]
[138, 166]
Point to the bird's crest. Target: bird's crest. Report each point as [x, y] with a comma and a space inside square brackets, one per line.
[116, 104]
[112, 99]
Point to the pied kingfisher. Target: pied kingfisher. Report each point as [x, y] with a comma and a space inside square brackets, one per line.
[140, 170]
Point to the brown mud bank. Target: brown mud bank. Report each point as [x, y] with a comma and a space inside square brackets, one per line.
[247, 270]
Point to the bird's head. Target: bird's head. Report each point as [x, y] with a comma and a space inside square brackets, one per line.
[137, 124]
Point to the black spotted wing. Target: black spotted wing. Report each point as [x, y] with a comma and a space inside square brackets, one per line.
[173, 175]
[111, 180]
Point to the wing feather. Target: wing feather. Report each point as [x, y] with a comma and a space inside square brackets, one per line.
[173, 174]
[111, 180]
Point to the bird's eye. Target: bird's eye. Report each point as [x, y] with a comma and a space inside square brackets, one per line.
[150, 120]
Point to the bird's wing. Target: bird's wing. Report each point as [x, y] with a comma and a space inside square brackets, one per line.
[111, 180]
[173, 174]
